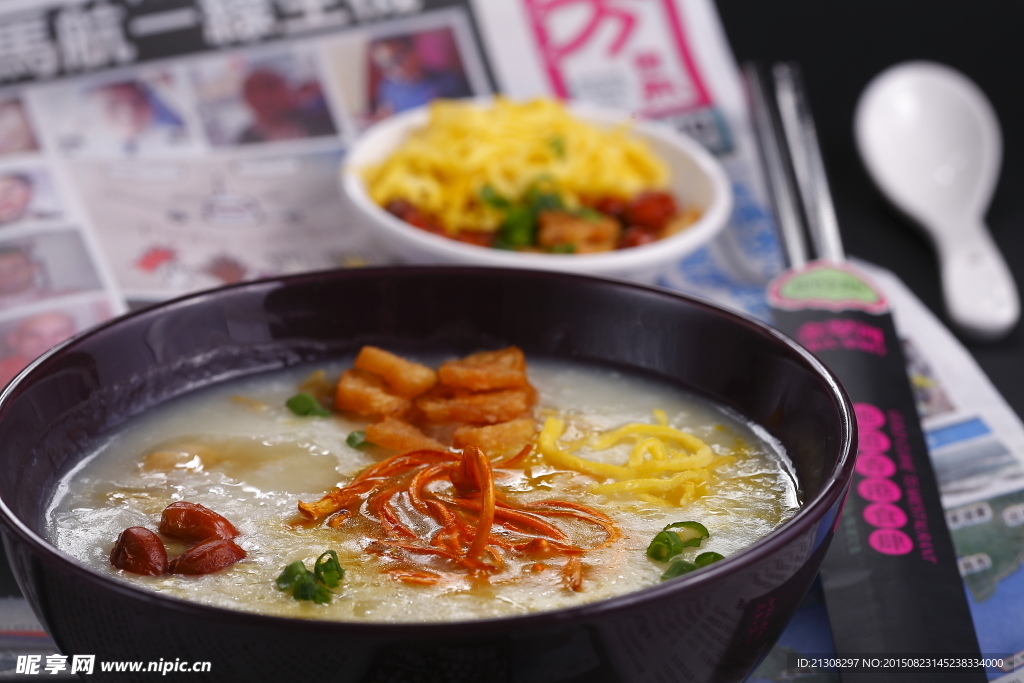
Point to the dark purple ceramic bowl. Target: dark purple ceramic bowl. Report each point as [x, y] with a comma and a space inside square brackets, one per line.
[713, 625]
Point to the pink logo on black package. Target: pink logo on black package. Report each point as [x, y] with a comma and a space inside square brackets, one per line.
[842, 334]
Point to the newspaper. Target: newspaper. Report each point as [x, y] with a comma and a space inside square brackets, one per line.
[151, 149]
[203, 145]
[148, 150]
[666, 60]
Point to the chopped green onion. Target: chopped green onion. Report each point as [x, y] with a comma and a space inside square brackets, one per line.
[357, 439]
[665, 546]
[291, 574]
[557, 145]
[304, 587]
[690, 533]
[518, 227]
[312, 585]
[491, 198]
[589, 214]
[321, 596]
[540, 200]
[671, 541]
[674, 537]
[704, 559]
[517, 230]
[328, 569]
[307, 588]
[306, 405]
[678, 568]
[567, 248]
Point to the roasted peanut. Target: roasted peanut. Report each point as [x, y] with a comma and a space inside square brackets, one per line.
[139, 551]
[207, 557]
[192, 523]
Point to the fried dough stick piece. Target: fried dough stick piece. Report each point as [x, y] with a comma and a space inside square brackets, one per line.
[499, 439]
[406, 378]
[399, 435]
[444, 405]
[367, 394]
[585, 235]
[486, 370]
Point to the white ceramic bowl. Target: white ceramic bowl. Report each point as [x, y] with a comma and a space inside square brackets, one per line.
[697, 179]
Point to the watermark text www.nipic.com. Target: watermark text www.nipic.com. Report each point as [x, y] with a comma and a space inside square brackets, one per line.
[86, 664]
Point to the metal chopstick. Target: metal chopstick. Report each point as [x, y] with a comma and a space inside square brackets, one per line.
[777, 176]
[808, 167]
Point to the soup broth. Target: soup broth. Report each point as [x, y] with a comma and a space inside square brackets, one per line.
[236, 449]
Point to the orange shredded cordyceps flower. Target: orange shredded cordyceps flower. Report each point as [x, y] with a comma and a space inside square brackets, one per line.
[476, 529]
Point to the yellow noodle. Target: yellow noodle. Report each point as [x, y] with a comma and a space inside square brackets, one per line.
[655, 472]
[442, 167]
[636, 429]
[549, 434]
[651, 485]
[653, 446]
[677, 464]
[654, 500]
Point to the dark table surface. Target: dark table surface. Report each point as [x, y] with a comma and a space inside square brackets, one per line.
[841, 46]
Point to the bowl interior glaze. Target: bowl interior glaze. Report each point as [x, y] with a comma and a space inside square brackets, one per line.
[88, 386]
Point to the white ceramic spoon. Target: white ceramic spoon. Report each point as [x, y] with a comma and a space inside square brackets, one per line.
[932, 143]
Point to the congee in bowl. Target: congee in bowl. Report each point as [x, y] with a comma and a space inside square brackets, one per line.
[422, 474]
[583, 467]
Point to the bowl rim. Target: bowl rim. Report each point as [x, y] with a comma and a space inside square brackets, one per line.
[833, 490]
[712, 221]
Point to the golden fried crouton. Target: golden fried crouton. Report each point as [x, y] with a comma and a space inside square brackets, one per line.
[682, 221]
[406, 378]
[585, 234]
[442, 404]
[497, 439]
[367, 394]
[486, 371]
[318, 385]
[399, 435]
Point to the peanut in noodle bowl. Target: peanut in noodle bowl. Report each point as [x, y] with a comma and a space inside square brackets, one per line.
[53, 416]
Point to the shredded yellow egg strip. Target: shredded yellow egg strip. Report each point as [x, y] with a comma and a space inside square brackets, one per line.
[666, 466]
[442, 167]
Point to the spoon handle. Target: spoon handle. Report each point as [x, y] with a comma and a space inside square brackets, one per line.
[980, 293]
